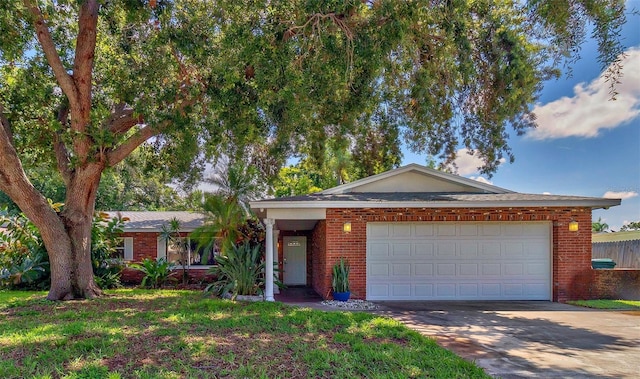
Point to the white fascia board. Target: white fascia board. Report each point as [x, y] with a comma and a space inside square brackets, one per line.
[604, 203]
[297, 213]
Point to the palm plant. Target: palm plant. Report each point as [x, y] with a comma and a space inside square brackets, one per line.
[237, 182]
[170, 234]
[222, 225]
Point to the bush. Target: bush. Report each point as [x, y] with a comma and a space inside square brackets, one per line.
[105, 238]
[240, 271]
[24, 263]
[156, 272]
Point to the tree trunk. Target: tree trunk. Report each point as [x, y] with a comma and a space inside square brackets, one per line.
[74, 267]
[66, 236]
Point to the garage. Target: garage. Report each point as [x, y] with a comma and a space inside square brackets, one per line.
[458, 261]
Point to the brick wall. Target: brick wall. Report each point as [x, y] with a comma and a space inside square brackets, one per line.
[615, 284]
[320, 278]
[571, 250]
[145, 245]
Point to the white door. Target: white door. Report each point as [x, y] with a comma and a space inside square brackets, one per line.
[295, 260]
[459, 261]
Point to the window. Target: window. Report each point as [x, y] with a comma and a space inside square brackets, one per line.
[124, 250]
[194, 253]
[198, 253]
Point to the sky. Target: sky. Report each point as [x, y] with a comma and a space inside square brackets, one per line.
[585, 144]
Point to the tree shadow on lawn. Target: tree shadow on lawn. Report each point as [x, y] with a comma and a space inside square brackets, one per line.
[159, 333]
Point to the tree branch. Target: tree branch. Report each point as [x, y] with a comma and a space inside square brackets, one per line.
[121, 120]
[5, 124]
[62, 154]
[85, 53]
[127, 147]
[53, 58]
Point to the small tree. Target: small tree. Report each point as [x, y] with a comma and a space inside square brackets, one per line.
[170, 234]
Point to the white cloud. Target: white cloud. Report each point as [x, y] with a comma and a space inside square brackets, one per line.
[481, 179]
[589, 110]
[546, 193]
[468, 164]
[620, 195]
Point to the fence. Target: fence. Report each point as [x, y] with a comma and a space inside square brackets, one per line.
[626, 254]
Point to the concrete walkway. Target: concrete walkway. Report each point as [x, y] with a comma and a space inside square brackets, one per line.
[530, 339]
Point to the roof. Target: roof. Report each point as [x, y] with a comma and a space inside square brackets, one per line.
[616, 237]
[150, 221]
[415, 178]
[432, 200]
[418, 186]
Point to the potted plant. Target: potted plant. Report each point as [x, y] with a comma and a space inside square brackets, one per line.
[340, 283]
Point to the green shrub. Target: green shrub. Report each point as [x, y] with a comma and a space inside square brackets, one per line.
[24, 263]
[105, 237]
[240, 271]
[156, 272]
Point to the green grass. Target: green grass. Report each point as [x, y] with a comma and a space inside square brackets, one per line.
[181, 334]
[608, 304]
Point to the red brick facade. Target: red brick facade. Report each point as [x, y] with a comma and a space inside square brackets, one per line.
[145, 245]
[571, 250]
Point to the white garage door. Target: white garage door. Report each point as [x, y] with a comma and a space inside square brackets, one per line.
[459, 261]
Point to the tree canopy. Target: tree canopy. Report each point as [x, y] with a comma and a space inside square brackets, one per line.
[85, 83]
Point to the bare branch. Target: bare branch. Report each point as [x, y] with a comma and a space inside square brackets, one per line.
[121, 152]
[53, 58]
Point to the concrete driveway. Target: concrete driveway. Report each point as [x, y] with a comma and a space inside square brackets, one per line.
[530, 338]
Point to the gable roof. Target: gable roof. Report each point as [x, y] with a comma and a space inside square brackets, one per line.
[414, 186]
[152, 221]
[415, 178]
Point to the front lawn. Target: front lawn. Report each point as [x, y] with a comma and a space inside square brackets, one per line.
[181, 334]
[608, 304]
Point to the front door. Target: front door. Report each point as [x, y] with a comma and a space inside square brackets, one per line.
[295, 260]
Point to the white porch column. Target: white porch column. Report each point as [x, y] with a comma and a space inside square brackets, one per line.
[268, 287]
[276, 258]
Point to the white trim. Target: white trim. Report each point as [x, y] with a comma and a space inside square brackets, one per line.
[128, 248]
[161, 248]
[346, 188]
[591, 203]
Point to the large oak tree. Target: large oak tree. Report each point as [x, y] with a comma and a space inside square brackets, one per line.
[83, 83]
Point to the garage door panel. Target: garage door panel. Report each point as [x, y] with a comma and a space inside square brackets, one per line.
[423, 269]
[489, 250]
[423, 230]
[401, 230]
[379, 250]
[423, 250]
[458, 261]
[491, 269]
[469, 230]
[446, 229]
[402, 269]
[423, 291]
[401, 250]
[468, 250]
[512, 269]
[446, 269]
[379, 270]
[446, 249]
